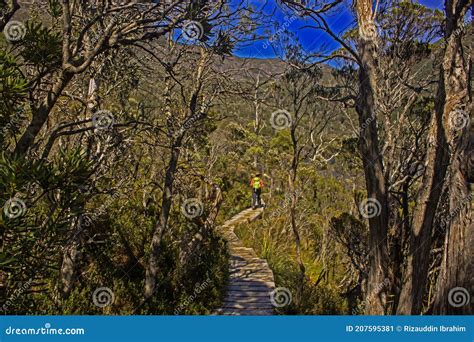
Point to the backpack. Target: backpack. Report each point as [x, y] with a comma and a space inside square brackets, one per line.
[256, 183]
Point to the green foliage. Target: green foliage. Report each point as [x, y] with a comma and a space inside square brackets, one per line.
[13, 87]
[45, 190]
[41, 46]
[281, 141]
[223, 44]
[13, 83]
[114, 243]
[54, 8]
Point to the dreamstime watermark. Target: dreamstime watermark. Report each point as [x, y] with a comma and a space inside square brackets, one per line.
[18, 292]
[198, 288]
[462, 28]
[46, 330]
[458, 119]
[103, 296]
[188, 124]
[282, 28]
[192, 208]
[285, 204]
[281, 119]
[458, 297]
[86, 219]
[192, 30]
[14, 208]
[103, 120]
[189, 2]
[13, 121]
[456, 211]
[371, 296]
[370, 207]
[280, 297]
[363, 126]
[14, 31]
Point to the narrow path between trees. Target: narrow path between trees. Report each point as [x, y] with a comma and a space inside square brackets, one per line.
[251, 279]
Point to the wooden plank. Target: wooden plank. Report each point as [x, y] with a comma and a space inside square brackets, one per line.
[248, 306]
[241, 288]
[253, 294]
[251, 279]
[257, 280]
[238, 252]
[243, 300]
[240, 312]
[252, 260]
[244, 249]
[248, 313]
[251, 271]
[256, 277]
[243, 282]
[248, 276]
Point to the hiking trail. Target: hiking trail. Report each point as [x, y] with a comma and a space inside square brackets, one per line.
[251, 280]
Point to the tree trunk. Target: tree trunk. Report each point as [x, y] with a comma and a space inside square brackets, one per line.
[256, 125]
[372, 160]
[452, 95]
[160, 227]
[296, 234]
[71, 256]
[166, 202]
[196, 242]
[455, 284]
[417, 263]
[41, 113]
[6, 13]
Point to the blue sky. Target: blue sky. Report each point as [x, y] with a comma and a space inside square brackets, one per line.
[309, 38]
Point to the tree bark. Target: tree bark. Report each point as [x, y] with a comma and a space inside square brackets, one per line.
[452, 94]
[160, 227]
[455, 284]
[71, 256]
[256, 125]
[205, 227]
[372, 161]
[41, 113]
[417, 263]
[296, 234]
[7, 11]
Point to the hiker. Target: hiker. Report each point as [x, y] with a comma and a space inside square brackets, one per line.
[256, 183]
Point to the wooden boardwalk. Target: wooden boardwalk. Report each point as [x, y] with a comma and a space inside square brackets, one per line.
[251, 279]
